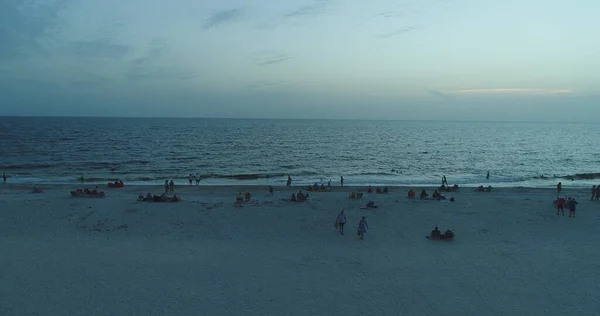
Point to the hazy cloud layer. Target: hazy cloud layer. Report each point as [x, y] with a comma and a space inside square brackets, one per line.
[334, 57]
[222, 17]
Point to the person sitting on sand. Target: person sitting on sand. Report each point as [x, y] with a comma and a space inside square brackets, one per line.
[436, 194]
[488, 189]
[352, 195]
[411, 194]
[359, 195]
[175, 198]
[436, 233]
[239, 199]
[480, 188]
[455, 187]
[300, 196]
[448, 234]
[371, 204]
[247, 197]
[294, 197]
[423, 194]
[37, 190]
[378, 190]
[369, 190]
[149, 197]
[385, 190]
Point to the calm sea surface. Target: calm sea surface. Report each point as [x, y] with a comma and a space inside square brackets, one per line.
[260, 152]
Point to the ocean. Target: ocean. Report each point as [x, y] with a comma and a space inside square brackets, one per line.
[46, 150]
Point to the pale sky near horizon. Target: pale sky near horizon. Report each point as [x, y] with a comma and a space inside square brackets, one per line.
[380, 59]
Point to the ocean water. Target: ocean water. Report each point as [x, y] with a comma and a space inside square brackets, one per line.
[261, 152]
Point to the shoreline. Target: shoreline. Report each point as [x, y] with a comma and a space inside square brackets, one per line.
[183, 189]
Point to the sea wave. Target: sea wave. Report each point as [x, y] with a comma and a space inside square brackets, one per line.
[585, 176]
[27, 166]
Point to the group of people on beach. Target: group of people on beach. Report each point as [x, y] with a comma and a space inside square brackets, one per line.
[341, 221]
[194, 178]
[570, 203]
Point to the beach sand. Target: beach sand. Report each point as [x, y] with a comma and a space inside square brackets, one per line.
[512, 255]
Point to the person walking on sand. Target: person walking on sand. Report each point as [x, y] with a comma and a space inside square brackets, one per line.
[171, 187]
[593, 193]
[363, 227]
[559, 187]
[166, 186]
[289, 181]
[342, 181]
[341, 221]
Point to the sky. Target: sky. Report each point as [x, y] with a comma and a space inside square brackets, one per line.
[527, 60]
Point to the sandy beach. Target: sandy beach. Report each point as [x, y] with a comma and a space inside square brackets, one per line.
[62, 255]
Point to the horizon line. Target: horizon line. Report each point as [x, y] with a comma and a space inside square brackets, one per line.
[284, 118]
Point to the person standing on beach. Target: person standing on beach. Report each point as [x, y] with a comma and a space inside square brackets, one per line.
[488, 176]
[166, 186]
[171, 187]
[560, 205]
[197, 179]
[363, 227]
[342, 181]
[572, 207]
[444, 181]
[289, 181]
[341, 221]
[82, 178]
[191, 178]
[559, 188]
[593, 193]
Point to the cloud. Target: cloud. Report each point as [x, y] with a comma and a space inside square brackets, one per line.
[400, 31]
[268, 57]
[222, 17]
[99, 48]
[512, 91]
[317, 7]
[23, 23]
[439, 95]
[158, 62]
